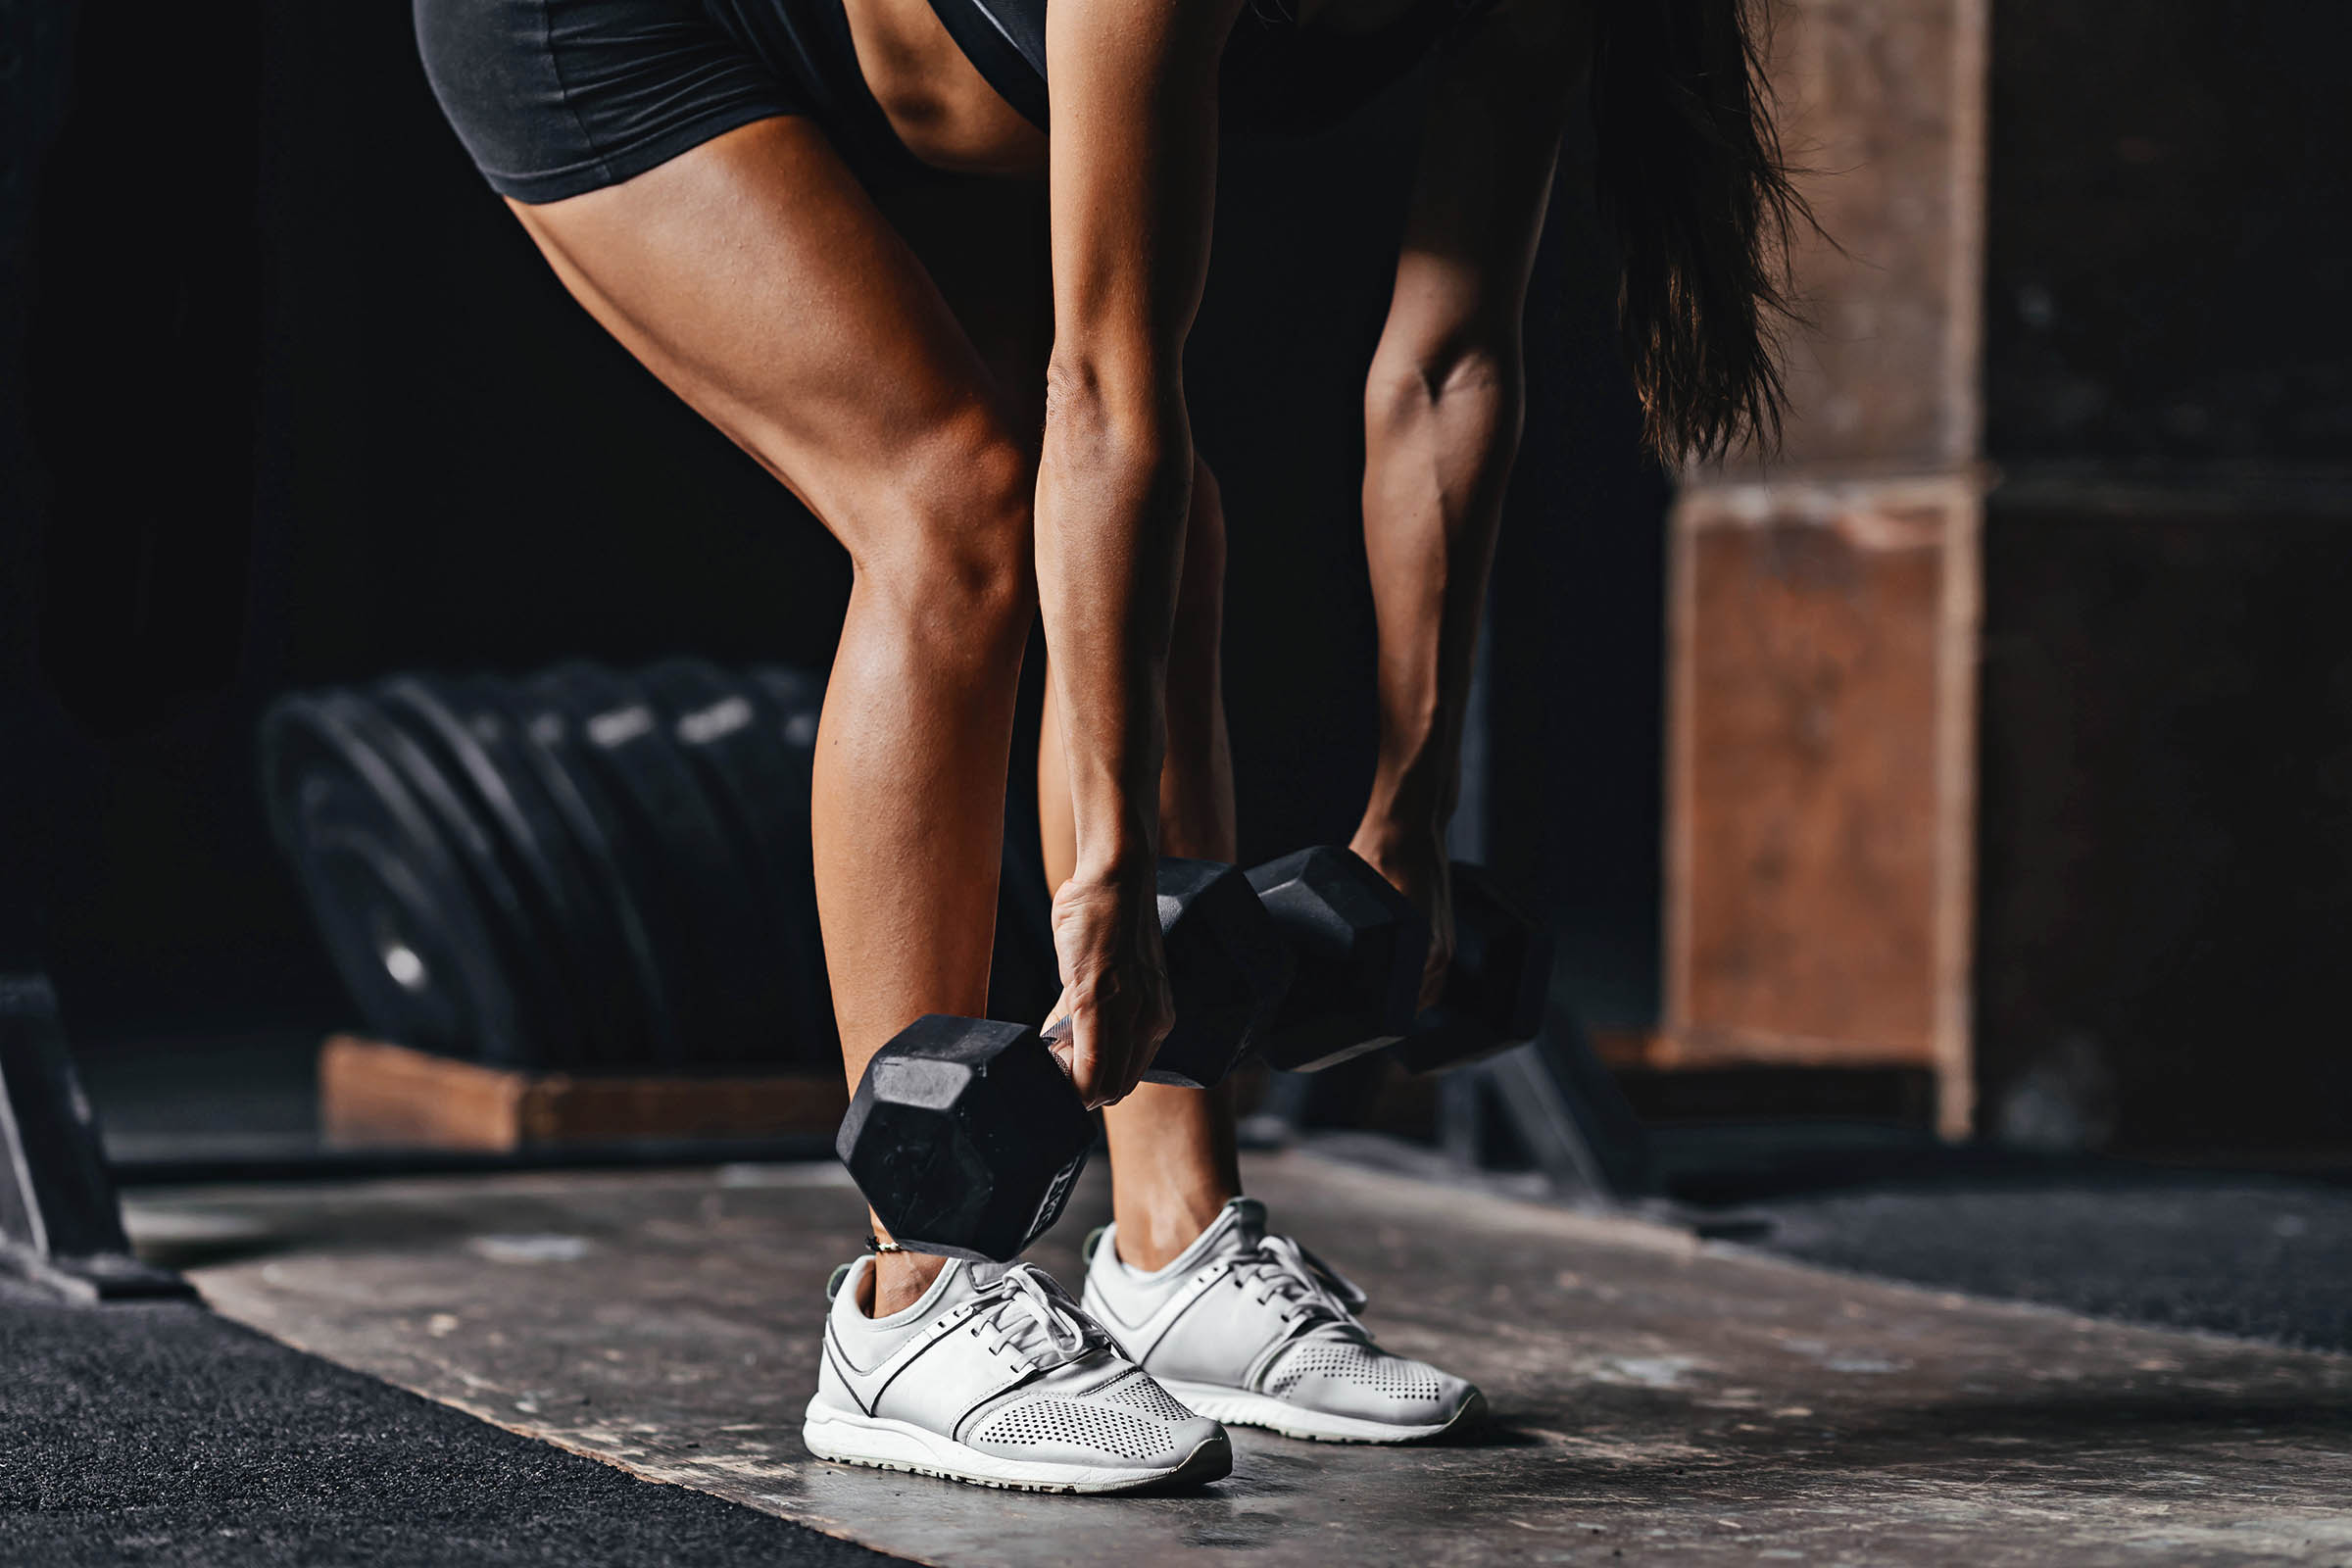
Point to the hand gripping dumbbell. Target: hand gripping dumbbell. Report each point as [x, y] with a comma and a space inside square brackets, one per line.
[1360, 947]
[1494, 988]
[965, 1135]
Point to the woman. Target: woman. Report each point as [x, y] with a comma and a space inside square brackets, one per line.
[975, 383]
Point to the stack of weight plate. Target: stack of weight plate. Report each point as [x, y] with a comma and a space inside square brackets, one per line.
[577, 870]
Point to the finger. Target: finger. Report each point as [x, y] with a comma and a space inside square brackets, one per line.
[1057, 1036]
[1156, 1032]
[1141, 1053]
[1433, 978]
[1139, 1061]
[1084, 1059]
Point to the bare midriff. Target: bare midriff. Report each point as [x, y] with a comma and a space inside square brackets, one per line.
[938, 102]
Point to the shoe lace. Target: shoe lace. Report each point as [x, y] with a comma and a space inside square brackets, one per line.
[1316, 1298]
[1035, 1317]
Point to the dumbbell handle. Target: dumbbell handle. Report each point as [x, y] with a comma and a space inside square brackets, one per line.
[1228, 971]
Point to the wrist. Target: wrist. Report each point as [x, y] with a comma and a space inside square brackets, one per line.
[1413, 787]
[1118, 845]
[1126, 867]
[1114, 790]
[1396, 826]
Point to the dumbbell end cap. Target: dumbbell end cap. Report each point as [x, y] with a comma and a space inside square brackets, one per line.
[966, 1137]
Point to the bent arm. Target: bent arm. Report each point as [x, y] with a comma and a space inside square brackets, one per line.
[1442, 404]
[1132, 188]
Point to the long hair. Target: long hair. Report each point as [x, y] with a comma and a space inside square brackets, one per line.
[1690, 177]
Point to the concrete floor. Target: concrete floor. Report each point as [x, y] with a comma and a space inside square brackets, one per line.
[1655, 1398]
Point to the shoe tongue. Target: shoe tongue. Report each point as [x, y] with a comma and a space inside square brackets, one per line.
[1025, 1330]
[1238, 1228]
[960, 1281]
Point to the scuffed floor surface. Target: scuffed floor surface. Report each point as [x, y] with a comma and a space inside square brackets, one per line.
[1655, 1398]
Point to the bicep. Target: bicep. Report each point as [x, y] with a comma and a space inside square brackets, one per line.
[1485, 175]
[1133, 180]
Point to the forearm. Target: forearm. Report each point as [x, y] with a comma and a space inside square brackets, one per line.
[1439, 446]
[1114, 485]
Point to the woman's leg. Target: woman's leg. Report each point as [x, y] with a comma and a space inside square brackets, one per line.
[1172, 1158]
[757, 277]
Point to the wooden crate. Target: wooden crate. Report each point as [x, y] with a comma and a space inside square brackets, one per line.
[374, 1095]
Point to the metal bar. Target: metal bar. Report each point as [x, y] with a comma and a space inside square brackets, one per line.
[59, 1225]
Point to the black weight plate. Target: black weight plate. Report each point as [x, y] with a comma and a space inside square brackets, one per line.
[728, 1003]
[417, 746]
[472, 739]
[385, 925]
[728, 734]
[630, 887]
[398, 918]
[596, 926]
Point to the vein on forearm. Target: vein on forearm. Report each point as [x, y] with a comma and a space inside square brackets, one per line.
[1113, 488]
[1440, 440]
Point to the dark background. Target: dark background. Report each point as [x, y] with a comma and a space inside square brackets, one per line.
[2164, 849]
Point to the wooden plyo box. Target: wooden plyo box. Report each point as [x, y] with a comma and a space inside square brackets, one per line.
[375, 1095]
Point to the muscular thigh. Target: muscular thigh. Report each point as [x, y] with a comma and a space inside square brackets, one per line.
[762, 284]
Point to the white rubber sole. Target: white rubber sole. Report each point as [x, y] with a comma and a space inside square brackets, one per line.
[848, 1438]
[1238, 1408]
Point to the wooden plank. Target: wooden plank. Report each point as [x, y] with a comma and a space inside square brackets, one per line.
[374, 1094]
[1821, 779]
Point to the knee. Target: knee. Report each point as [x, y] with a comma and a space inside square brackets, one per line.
[958, 566]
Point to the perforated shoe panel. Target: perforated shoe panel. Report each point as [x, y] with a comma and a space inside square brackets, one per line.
[1142, 1391]
[1362, 1367]
[1070, 1424]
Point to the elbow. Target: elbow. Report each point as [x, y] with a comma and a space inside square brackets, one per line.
[1109, 416]
[1484, 382]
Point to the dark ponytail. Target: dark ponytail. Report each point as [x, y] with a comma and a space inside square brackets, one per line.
[1690, 177]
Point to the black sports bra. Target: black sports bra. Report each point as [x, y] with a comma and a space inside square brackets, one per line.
[1277, 76]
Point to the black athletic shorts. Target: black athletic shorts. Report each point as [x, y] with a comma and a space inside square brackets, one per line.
[556, 97]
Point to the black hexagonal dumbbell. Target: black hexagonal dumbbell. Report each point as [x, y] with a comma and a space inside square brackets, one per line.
[1358, 946]
[1228, 971]
[965, 1135]
[1496, 987]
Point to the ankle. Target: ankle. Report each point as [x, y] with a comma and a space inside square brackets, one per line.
[897, 1281]
[1154, 1234]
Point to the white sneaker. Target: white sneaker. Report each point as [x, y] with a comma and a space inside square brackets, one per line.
[996, 1376]
[1256, 1331]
